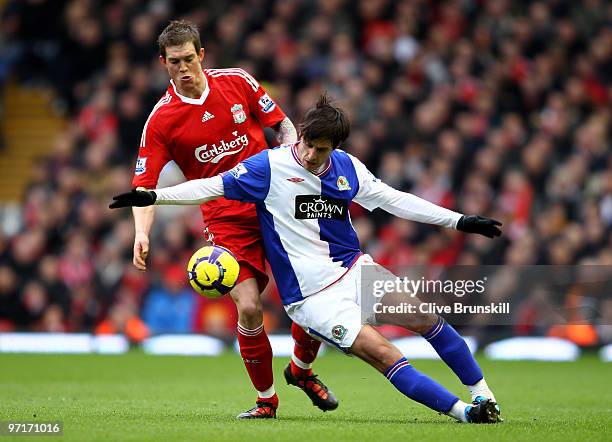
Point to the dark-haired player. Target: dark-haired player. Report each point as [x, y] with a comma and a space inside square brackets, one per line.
[302, 193]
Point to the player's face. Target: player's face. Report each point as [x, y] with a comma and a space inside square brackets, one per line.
[314, 153]
[185, 69]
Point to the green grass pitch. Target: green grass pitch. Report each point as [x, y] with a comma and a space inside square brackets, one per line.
[140, 397]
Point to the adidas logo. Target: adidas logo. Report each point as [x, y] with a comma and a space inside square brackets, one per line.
[207, 116]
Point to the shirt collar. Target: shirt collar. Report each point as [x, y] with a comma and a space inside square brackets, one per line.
[188, 100]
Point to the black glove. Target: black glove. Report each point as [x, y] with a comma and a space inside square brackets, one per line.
[479, 224]
[137, 198]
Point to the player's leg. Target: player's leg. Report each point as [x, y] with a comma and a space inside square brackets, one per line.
[255, 346]
[377, 351]
[304, 352]
[445, 340]
[335, 316]
[331, 315]
[252, 339]
[453, 350]
[244, 240]
[299, 372]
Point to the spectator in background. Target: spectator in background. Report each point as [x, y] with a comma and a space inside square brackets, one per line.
[123, 318]
[97, 119]
[12, 313]
[169, 307]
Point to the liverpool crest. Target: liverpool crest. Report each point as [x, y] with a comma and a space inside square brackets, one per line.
[238, 113]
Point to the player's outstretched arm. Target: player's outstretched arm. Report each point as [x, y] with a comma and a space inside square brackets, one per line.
[374, 193]
[192, 192]
[409, 206]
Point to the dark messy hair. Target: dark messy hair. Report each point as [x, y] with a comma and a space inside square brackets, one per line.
[177, 33]
[326, 121]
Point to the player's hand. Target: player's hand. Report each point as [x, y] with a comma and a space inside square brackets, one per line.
[141, 250]
[135, 198]
[479, 224]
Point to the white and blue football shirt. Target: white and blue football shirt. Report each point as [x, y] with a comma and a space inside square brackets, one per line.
[304, 218]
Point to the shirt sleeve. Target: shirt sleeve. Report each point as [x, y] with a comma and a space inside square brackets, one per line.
[249, 180]
[153, 154]
[373, 193]
[191, 192]
[261, 105]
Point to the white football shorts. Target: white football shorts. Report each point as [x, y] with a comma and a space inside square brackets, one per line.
[335, 314]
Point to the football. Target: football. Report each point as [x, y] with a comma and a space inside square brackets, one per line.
[213, 271]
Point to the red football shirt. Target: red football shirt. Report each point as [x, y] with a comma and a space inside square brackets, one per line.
[208, 135]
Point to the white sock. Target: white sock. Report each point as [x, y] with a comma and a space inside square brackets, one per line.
[268, 393]
[458, 411]
[481, 388]
[297, 361]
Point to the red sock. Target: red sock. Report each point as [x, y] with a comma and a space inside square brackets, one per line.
[256, 353]
[305, 351]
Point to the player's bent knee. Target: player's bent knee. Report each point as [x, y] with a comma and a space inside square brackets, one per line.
[423, 322]
[388, 355]
[249, 309]
[248, 303]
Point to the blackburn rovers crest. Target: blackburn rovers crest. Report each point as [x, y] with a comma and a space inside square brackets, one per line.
[343, 183]
[238, 113]
[338, 332]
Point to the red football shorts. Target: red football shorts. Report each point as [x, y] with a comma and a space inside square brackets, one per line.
[246, 243]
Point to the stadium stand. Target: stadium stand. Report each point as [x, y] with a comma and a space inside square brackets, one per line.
[495, 107]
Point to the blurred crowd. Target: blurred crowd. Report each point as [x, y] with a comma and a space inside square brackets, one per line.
[496, 107]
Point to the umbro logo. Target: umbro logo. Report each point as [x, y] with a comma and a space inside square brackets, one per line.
[207, 116]
[295, 179]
